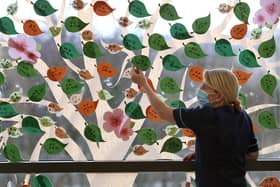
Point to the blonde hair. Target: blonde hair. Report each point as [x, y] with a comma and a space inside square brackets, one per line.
[225, 82]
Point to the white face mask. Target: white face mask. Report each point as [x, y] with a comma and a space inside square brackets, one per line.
[202, 97]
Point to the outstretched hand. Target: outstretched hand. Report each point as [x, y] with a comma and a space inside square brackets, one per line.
[137, 76]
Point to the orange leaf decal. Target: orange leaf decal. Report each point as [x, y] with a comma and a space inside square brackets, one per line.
[54, 107]
[130, 93]
[85, 74]
[87, 107]
[239, 31]
[139, 150]
[191, 143]
[152, 114]
[56, 73]
[106, 70]
[101, 8]
[196, 73]
[188, 132]
[270, 182]
[31, 28]
[141, 89]
[60, 133]
[242, 76]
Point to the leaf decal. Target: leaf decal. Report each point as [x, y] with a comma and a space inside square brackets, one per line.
[134, 110]
[172, 145]
[242, 11]
[179, 31]
[193, 50]
[223, 48]
[102, 8]
[171, 130]
[68, 50]
[85, 74]
[152, 114]
[7, 110]
[92, 50]
[105, 95]
[60, 133]
[46, 121]
[196, 73]
[268, 83]
[25, 69]
[7, 26]
[201, 25]
[168, 12]
[242, 76]
[176, 103]
[12, 8]
[43, 8]
[248, 59]
[56, 73]
[188, 132]
[41, 181]
[53, 146]
[138, 9]
[172, 63]
[147, 135]
[267, 48]
[2, 79]
[74, 24]
[157, 42]
[36, 93]
[243, 100]
[169, 85]
[87, 107]
[12, 153]
[239, 31]
[55, 31]
[92, 132]
[141, 62]
[30, 27]
[132, 42]
[75, 99]
[139, 150]
[31, 125]
[267, 120]
[71, 86]
[106, 70]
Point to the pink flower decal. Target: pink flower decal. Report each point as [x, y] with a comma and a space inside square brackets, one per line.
[268, 14]
[118, 122]
[24, 48]
[259, 18]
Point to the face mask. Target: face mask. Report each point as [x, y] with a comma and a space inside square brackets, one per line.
[202, 97]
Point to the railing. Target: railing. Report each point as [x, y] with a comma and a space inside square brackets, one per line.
[120, 166]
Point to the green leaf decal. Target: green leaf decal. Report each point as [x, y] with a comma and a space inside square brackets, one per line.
[157, 42]
[168, 12]
[46, 121]
[105, 95]
[92, 50]
[243, 100]
[7, 110]
[74, 24]
[172, 63]
[171, 130]
[12, 153]
[179, 31]
[2, 79]
[25, 69]
[132, 42]
[172, 145]
[36, 93]
[169, 85]
[268, 83]
[93, 133]
[31, 125]
[41, 181]
[193, 50]
[176, 103]
[242, 11]
[141, 62]
[134, 110]
[138, 9]
[223, 48]
[43, 8]
[55, 31]
[267, 48]
[71, 86]
[7, 26]
[53, 146]
[248, 59]
[201, 25]
[267, 120]
[68, 50]
[147, 135]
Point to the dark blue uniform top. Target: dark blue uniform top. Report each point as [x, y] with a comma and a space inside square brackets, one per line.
[223, 137]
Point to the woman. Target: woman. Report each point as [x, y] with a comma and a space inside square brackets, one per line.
[224, 134]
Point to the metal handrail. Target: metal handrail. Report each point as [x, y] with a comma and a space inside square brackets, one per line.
[120, 166]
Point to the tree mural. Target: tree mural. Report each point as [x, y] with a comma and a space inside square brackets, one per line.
[69, 90]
